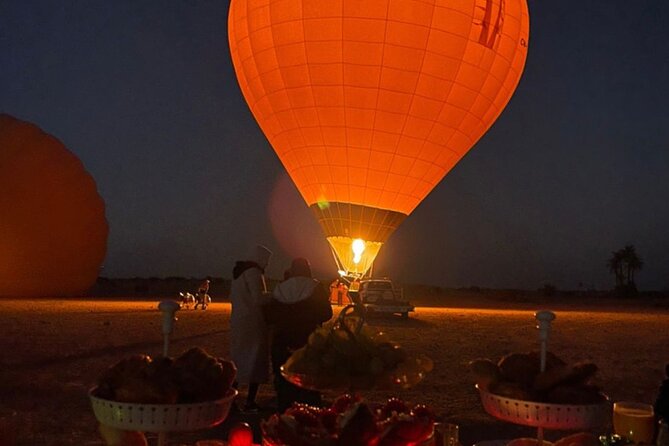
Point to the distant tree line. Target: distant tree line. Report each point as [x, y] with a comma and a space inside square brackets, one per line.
[623, 264]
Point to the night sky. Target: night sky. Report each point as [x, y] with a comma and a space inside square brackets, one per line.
[144, 93]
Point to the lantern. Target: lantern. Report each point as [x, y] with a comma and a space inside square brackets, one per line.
[53, 231]
[369, 103]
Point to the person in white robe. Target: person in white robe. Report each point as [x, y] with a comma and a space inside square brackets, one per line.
[249, 342]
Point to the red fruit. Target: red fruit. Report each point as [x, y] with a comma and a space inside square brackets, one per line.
[390, 440]
[240, 434]
[302, 407]
[415, 431]
[328, 418]
[303, 416]
[421, 411]
[393, 405]
[344, 402]
[358, 427]
[285, 432]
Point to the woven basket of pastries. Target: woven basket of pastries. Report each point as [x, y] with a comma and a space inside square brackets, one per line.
[163, 394]
[563, 396]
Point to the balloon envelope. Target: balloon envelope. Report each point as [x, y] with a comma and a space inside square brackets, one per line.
[369, 103]
[53, 231]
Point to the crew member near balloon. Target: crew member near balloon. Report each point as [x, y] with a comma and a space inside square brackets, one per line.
[298, 306]
[204, 287]
[334, 291]
[249, 344]
[202, 295]
[342, 291]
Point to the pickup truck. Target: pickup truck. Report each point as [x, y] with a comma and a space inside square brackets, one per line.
[382, 296]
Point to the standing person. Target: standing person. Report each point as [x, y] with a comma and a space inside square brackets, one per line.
[341, 292]
[298, 306]
[204, 287]
[334, 291]
[202, 295]
[249, 343]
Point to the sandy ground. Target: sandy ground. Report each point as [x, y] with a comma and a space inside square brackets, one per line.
[54, 350]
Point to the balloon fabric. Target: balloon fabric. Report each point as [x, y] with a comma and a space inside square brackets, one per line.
[53, 230]
[370, 103]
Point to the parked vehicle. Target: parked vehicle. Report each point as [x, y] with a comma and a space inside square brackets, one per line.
[382, 296]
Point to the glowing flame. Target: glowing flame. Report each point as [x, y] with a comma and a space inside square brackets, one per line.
[358, 247]
[354, 256]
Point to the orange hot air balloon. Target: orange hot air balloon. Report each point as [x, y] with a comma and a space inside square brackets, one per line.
[53, 231]
[369, 103]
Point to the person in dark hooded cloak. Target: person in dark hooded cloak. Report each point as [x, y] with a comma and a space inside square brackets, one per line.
[298, 306]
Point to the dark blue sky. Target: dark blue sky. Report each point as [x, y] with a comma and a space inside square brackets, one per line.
[144, 93]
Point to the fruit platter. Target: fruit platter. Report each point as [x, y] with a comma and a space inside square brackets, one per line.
[164, 394]
[562, 396]
[349, 356]
[350, 421]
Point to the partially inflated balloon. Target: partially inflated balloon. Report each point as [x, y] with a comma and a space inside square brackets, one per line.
[53, 231]
[369, 103]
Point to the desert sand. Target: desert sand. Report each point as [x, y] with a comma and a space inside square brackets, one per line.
[54, 350]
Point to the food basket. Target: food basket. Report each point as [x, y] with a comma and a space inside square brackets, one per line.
[161, 417]
[545, 415]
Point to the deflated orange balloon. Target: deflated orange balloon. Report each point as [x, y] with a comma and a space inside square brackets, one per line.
[53, 231]
[369, 103]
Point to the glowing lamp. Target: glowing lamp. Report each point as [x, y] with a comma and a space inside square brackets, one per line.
[369, 104]
[53, 231]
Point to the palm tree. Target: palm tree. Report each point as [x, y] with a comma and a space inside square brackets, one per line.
[632, 262]
[624, 263]
[615, 265]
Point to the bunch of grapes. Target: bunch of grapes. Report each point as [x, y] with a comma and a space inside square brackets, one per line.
[351, 422]
[343, 358]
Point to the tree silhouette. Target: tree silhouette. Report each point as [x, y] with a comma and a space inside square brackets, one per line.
[615, 265]
[624, 263]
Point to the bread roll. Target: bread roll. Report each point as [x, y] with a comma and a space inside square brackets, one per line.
[486, 373]
[520, 368]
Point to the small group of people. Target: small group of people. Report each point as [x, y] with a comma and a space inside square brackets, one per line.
[339, 292]
[267, 327]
